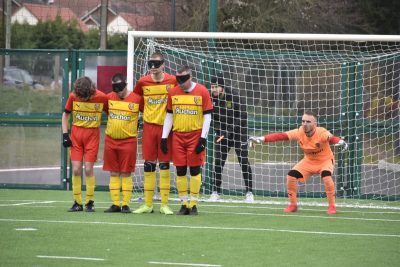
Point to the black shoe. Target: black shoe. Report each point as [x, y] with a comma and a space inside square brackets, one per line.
[113, 208]
[184, 210]
[126, 209]
[89, 207]
[76, 207]
[193, 210]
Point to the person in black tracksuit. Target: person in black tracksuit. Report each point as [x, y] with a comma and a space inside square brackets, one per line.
[229, 120]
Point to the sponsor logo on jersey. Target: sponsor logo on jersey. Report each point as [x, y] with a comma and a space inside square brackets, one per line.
[79, 117]
[186, 111]
[152, 101]
[120, 117]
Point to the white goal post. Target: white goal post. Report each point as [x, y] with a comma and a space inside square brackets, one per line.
[351, 81]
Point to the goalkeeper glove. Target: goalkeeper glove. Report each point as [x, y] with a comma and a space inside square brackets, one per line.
[343, 144]
[164, 145]
[66, 140]
[254, 140]
[201, 145]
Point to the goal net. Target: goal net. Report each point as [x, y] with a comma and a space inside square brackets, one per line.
[350, 81]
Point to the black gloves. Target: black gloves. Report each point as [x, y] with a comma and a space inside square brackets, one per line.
[164, 145]
[201, 145]
[66, 140]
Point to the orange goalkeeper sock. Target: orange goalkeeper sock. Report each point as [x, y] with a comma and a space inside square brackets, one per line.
[330, 190]
[292, 189]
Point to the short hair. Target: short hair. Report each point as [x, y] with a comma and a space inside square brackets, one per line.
[311, 113]
[84, 88]
[219, 79]
[184, 68]
[118, 77]
[157, 54]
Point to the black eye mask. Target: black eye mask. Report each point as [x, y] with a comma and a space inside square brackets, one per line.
[118, 87]
[154, 63]
[182, 78]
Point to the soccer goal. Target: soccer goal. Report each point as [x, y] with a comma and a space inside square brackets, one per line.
[350, 81]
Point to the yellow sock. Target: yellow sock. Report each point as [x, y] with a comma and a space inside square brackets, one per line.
[165, 186]
[330, 190]
[149, 185]
[77, 188]
[115, 185]
[182, 186]
[90, 181]
[127, 186]
[195, 184]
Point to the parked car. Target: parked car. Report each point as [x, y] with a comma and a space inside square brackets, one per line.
[17, 77]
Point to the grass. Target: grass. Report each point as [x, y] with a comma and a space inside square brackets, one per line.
[222, 235]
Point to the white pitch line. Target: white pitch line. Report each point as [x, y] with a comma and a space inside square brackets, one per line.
[184, 264]
[301, 216]
[209, 228]
[27, 203]
[69, 258]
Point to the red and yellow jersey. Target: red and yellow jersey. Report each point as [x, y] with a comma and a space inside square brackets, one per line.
[123, 115]
[86, 114]
[315, 147]
[188, 108]
[155, 96]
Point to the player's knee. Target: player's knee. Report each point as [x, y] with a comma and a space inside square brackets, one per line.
[325, 174]
[295, 174]
[149, 166]
[195, 170]
[164, 165]
[181, 170]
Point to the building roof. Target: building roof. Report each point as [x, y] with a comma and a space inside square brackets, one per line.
[138, 22]
[50, 12]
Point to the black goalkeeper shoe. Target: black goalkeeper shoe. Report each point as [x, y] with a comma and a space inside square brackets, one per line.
[89, 207]
[184, 210]
[193, 210]
[126, 209]
[76, 207]
[113, 208]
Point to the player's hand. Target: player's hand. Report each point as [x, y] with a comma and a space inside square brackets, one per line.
[201, 145]
[253, 140]
[164, 145]
[66, 140]
[343, 144]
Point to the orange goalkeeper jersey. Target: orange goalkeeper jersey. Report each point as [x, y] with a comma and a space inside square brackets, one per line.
[155, 96]
[315, 147]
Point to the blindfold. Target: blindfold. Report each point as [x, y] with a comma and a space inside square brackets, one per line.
[154, 63]
[182, 78]
[118, 87]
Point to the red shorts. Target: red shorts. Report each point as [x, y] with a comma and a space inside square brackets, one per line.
[85, 143]
[120, 154]
[309, 167]
[183, 149]
[151, 138]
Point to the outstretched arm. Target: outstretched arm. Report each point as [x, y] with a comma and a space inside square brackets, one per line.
[268, 138]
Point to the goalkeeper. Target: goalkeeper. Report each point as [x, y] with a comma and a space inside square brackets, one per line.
[318, 157]
[230, 126]
[86, 104]
[154, 89]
